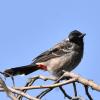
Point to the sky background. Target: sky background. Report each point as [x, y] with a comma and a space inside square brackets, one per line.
[29, 27]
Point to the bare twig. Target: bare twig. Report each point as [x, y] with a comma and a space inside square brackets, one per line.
[23, 94]
[29, 83]
[83, 80]
[45, 78]
[12, 78]
[87, 92]
[8, 92]
[75, 90]
[47, 86]
[65, 94]
[75, 78]
[32, 80]
[72, 78]
[43, 93]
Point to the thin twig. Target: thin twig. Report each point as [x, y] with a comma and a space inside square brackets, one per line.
[72, 79]
[8, 92]
[12, 78]
[87, 92]
[43, 93]
[45, 78]
[47, 86]
[23, 94]
[32, 80]
[83, 80]
[75, 90]
[65, 94]
[29, 83]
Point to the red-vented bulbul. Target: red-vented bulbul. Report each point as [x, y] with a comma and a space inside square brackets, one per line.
[65, 55]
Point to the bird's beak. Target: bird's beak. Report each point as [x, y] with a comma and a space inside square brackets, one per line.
[81, 36]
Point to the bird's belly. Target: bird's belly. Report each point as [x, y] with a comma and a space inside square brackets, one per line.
[56, 63]
[66, 62]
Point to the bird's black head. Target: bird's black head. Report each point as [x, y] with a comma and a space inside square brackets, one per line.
[76, 36]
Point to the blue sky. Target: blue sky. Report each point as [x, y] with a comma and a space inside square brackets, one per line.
[28, 27]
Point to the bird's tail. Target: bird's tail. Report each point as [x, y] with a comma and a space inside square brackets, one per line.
[21, 70]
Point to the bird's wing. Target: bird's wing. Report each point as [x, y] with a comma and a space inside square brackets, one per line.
[57, 51]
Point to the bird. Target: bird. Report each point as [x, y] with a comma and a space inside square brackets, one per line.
[63, 56]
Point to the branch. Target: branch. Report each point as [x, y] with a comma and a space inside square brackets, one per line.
[23, 94]
[47, 86]
[75, 90]
[43, 93]
[9, 92]
[6, 89]
[82, 80]
[32, 80]
[64, 92]
[87, 92]
[71, 78]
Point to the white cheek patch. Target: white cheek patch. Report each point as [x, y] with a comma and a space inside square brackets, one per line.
[67, 39]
